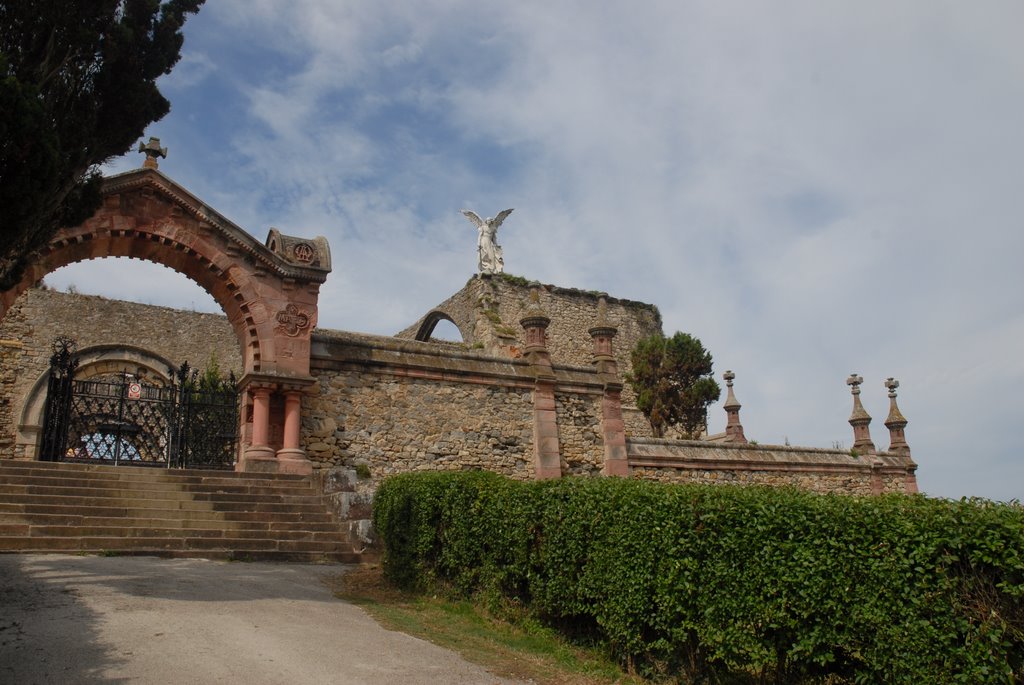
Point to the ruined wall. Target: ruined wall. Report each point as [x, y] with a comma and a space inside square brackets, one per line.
[38, 316]
[488, 309]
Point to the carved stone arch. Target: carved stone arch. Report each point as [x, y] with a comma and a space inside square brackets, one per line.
[268, 291]
[429, 323]
[268, 295]
[93, 361]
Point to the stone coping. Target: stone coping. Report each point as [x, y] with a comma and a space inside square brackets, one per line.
[690, 454]
[333, 349]
[135, 178]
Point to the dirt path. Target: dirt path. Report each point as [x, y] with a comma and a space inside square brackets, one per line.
[68, 619]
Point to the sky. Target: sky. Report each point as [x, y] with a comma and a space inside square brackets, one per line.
[811, 188]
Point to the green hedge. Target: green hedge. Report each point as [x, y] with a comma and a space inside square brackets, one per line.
[723, 584]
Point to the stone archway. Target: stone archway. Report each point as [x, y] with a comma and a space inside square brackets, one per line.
[429, 323]
[268, 292]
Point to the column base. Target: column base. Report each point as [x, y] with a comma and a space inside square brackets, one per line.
[294, 461]
[258, 459]
[615, 462]
[547, 472]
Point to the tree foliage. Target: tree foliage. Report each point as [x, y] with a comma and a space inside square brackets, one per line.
[77, 87]
[673, 383]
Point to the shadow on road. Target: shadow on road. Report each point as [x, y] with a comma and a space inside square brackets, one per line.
[47, 632]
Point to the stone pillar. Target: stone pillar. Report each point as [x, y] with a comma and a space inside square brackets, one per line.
[613, 428]
[259, 456]
[877, 483]
[291, 458]
[546, 450]
[733, 427]
[859, 419]
[895, 421]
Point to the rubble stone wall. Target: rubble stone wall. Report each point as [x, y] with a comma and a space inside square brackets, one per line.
[395, 406]
[488, 309]
[383, 405]
[818, 470]
[28, 329]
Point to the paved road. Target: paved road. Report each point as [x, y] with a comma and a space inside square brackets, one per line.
[71, 619]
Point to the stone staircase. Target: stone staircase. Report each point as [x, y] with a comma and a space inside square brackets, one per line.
[71, 508]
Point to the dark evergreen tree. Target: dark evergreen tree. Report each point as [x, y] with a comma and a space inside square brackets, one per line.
[673, 383]
[77, 87]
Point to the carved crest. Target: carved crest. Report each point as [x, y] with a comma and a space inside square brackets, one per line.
[292, 320]
[304, 252]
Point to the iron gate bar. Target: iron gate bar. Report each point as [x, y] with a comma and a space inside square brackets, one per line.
[180, 425]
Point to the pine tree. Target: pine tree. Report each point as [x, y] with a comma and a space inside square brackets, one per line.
[673, 383]
[77, 88]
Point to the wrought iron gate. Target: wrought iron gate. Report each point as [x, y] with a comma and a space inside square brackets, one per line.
[118, 419]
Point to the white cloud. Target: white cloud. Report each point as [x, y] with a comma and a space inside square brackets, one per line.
[812, 188]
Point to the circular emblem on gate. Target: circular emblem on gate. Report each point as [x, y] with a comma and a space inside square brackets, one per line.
[304, 252]
[134, 391]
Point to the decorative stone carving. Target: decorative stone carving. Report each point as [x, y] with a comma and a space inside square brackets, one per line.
[490, 259]
[859, 418]
[304, 252]
[292, 321]
[152, 150]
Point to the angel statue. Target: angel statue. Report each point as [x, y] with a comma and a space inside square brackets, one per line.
[488, 250]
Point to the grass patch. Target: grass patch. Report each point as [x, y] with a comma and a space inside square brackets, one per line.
[514, 645]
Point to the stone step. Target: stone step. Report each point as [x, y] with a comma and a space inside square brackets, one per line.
[173, 492]
[102, 543]
[130, 472]
[344, 556]
[132, 502]
[132, 529]
[191, 524]
[92, 508]
[183, 514]
[192, 484]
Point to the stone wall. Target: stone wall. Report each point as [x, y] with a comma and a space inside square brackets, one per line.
[38, 316]
[396, 406]
[579, 433]
[818, 470]
[382, 405]
[488, 309]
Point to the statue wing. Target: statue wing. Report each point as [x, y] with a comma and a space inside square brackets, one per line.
[501, 217]
[472, 216]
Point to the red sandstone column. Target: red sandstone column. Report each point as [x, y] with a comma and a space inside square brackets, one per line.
[895, 421]
[260, 416]
[877, 484]
[860, 419]
[291, 458]
[546, 449]
[733, 427]
[896, 424]
[613, 428]
[259, 456]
